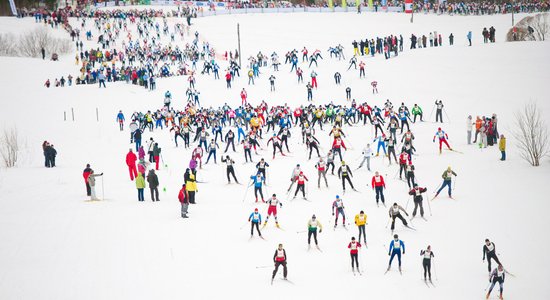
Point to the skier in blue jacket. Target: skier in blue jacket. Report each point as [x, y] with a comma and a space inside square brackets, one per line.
[258, 182]
[255, 219]
[395, 249]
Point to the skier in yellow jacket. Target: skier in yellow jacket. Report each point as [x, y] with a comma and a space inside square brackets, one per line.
[361, 221]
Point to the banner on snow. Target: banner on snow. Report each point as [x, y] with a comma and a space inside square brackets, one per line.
[13, 8]
[408, 6]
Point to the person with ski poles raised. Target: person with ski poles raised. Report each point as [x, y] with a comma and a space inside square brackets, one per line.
[230, 169]
[447, 181]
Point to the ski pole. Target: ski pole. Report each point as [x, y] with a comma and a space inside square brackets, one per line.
[445, 111]
[429, 207]
[435, 270]
[487, 286]
[301, 231]
[407, 205]
[243, 225]
[388, 224]
[431, 112]
[102, 190]
[263, 267]
[246, 192]
[454, 185]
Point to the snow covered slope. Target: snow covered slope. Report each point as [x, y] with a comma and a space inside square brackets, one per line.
[56, 246]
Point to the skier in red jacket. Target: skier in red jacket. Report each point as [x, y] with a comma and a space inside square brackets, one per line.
[131, 162]
[336, 145]
[379, 185]
[354, 247]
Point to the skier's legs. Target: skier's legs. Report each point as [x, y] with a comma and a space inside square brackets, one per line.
[402, 219]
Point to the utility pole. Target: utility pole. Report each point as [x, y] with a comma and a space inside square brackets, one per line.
[239, 42]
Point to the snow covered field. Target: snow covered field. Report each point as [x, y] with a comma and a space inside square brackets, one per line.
[54, 245]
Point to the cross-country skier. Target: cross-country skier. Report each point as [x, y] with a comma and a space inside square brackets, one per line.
[416, 192]
[360, 222]
[442, 136]
[258, 180]
[344, 173]
[427, 262]
[295, 173]
[395, 249]
[279, 258]
[197, 155]
[330, 161]
[367, 153]
[312, 226]
[498, 275]
[409, 174]
[212, 151]
[404, 158]
[439, 111]
[276, 144]
[255, 220]
[354, 247]
[261, 168]
[374, 87]
[301, 179]
[230, 169]
[447, 181]
[272, 209]
[337, 144]
[379, 185]
[312, 143]
[417, 111]
[321, 172]
[338, 208]
[395, 212]
[489, 251]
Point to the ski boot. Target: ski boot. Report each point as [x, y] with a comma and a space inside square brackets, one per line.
[277, 225]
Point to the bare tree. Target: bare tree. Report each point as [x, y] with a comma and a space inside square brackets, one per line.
[8, 46]
[541, 26]
[531, 134]
[530, 28]
[31, 43]
[9, 146]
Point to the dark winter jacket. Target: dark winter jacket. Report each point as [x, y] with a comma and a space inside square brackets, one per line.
[152, 179]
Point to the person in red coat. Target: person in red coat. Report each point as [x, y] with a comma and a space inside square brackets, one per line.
[379, 185]
[183, 197]
[353, 247]
[86, 174]
[337, 144]
[131, 163]
[301, 179]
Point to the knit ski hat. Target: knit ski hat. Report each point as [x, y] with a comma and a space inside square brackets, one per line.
[337, 197]
[255, 209]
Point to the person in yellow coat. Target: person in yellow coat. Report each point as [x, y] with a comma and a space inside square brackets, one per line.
[361, 221]
[502, 147]
[191, 184]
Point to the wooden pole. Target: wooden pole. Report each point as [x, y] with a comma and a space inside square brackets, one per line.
[239, 42]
